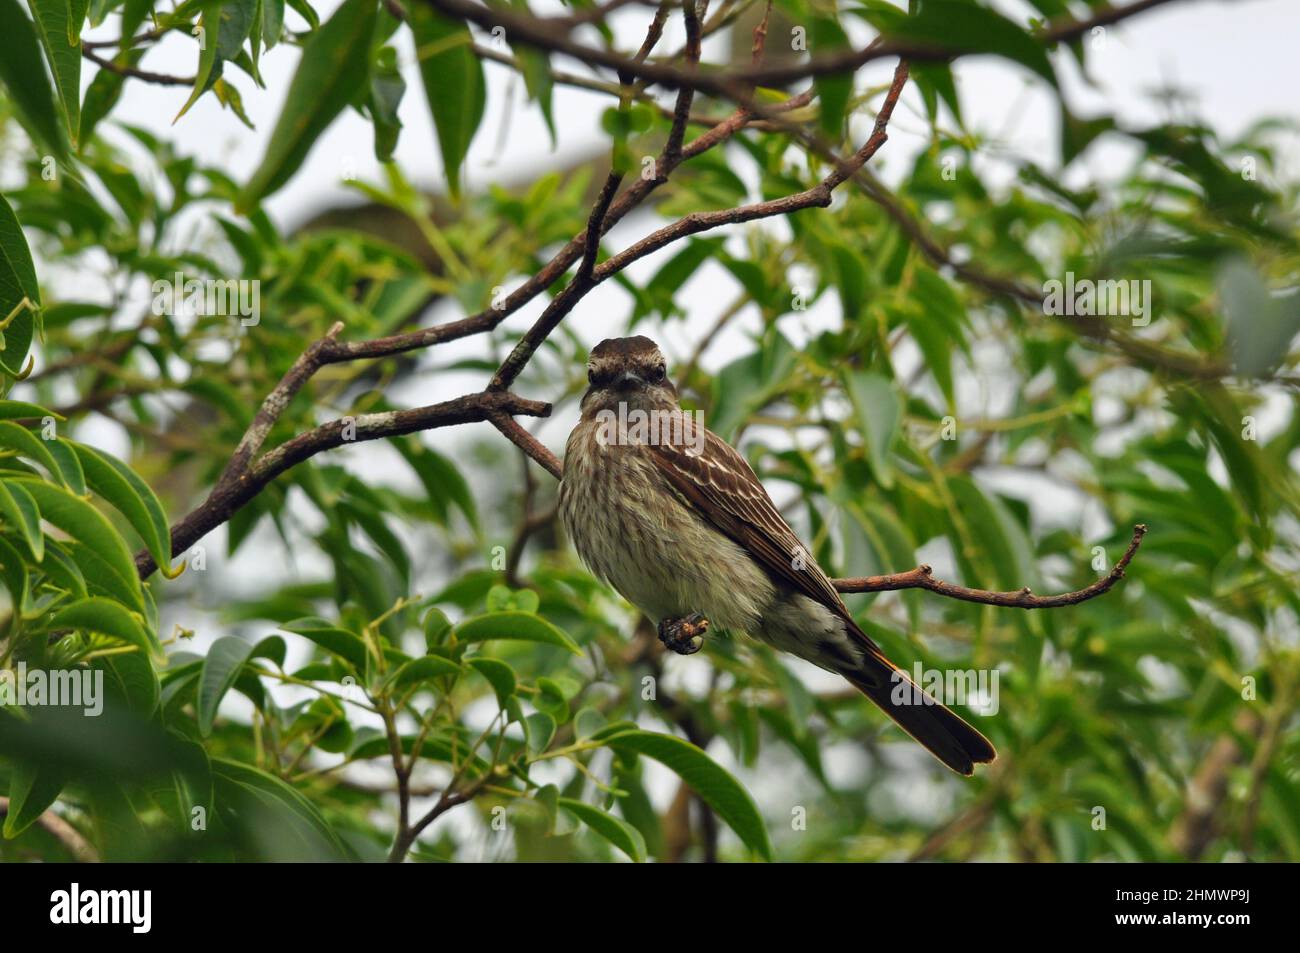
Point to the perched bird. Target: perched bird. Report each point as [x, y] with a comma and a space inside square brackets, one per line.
[674, 519]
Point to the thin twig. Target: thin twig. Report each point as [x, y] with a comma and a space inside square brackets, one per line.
[922, 578]
[132, 72]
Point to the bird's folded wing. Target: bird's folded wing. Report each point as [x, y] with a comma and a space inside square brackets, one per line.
[722, 488]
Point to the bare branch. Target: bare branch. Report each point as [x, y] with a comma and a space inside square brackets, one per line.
[229, 496]
[528, 444]
[553, 34]
[921, 578]
[132, 72]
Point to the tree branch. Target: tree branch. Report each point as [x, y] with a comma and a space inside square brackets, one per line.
[233, 492]
[132, 72]
[921, 578]
[548, 33]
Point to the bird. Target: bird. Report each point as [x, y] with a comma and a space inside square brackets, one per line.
[674, 519]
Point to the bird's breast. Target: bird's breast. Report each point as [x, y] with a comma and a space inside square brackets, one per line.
[636, 532]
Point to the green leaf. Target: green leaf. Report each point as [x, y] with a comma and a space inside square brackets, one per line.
[516, 626]
[453, 84]
[614, 829]
[1260, 325]
[105, 617]
[236, 22]
[539, 729]
[436, 627]
[32, 789]
[878, 411]
[421, 670]
[10, 409]
[221, 666]
[119, 485]
[13, 570]
[23, 442]
[346, 645]
[833, 89]
[387, 87]
[22, 73]
[333, 70]
[499, 675]
[209, 63]
[17, 281]
[539, 83]
[70, 471]
[20, 511]
[97, 545]
[305, 834]
[706, 778]
[965, 27]
[748, 383]
[272, 22]
[61, 37]
[129, 677]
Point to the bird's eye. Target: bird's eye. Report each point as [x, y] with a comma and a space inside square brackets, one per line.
[658, 374]
[591, 376]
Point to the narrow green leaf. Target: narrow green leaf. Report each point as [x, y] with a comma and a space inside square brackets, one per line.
[23, 442]
[20, 511]
[13, 570]
[121, 487]
[833, 89]
[453, 84]
[61, 34]
[516, 626]
[22, 73]
[716, 786]
[105, 617]
[614, 829]
[421, 670]
[272, 22]
[878, 411]
[334, 67]
[346, 645]
[11, 409]
[209, 66]
[32, 789]
[17, 282]
[306, 835]
[70, 471]
[965, 27]
[95, 544]
[221, 666]
[387, 87]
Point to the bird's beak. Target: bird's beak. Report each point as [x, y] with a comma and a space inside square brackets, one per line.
[627, 381]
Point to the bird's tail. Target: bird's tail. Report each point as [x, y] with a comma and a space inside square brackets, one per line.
[941, 731]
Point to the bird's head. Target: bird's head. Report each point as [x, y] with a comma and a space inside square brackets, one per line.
[631, 371]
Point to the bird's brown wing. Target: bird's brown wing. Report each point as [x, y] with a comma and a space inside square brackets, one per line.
[723, 489]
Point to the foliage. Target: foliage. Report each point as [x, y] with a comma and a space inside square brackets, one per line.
[426, 642]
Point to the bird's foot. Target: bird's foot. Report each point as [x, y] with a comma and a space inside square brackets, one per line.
[685, 636]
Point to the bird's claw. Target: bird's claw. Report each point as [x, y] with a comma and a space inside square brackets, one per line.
[685, 636]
